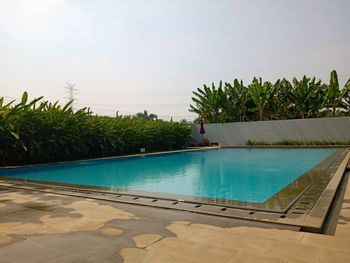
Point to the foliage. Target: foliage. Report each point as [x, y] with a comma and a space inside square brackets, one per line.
[238, 96]
[300, 143]
[260, 93]
[334, 97]
[211, 103]
[39, 131]
[146, 116]
[304, 98]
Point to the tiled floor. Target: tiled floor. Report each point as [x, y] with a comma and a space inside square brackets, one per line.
[37, 227]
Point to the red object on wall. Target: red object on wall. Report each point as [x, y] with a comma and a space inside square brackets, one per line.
[202, 131]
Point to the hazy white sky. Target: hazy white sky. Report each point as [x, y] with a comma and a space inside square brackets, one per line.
[133, 55]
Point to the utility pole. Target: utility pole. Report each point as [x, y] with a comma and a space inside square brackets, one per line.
[71, 92]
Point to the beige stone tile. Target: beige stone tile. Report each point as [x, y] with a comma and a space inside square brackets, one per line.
[345, 206]
[180, 230]
[4, 239]
[192, 251]
[26, 229]
[327, 242]
[111, 231]
[342, 230]
[93, 217]
[336, 257]
[274, 234]
[182, 222]
[164, 258]
[133, 255]
[5, 227]
[146, 239]
[222, 238]
[208, 227]
[252, 244]
[251, 258]
[87, 226]
[300, 252]
[296, 261]
[172, 245]
[345, 213]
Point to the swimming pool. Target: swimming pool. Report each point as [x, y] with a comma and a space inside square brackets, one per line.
[233, 174]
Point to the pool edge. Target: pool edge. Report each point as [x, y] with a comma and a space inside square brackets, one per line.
[312, 221]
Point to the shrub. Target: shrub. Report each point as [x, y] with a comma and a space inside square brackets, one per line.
[39, 132]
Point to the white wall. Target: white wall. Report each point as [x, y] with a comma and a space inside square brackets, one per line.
[238, 133]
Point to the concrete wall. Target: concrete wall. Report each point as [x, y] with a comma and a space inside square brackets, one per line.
[238, 133]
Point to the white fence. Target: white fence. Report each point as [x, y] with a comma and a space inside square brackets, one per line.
[238, 133]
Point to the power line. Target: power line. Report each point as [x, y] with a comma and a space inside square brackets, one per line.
[135, 94]
[135, 105]
[71, 92]
[7, 97]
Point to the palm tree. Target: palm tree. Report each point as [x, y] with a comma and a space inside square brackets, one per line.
[238, 94]
[260, 93]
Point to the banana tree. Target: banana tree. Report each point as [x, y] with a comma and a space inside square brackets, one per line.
[347, 97]
[283, 90]
[301, 96]
[317, 98]
[238, 94]
[260, 93]
[334, 97]
[275, 107]
[209, 103]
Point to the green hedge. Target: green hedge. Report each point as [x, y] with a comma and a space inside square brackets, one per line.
[39, 132]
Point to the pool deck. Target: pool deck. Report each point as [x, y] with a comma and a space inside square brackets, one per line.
[42, 227]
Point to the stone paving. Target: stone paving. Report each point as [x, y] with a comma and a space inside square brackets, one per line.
[38, 227]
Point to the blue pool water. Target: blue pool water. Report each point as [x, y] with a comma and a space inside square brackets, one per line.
[252, 175]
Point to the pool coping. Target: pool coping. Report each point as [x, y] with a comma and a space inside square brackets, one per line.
[311, 218]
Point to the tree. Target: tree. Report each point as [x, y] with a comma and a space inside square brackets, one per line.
[334, 97]
[260, 93]
[238, 94]
[305, 98]
[281, 100]
[300, 96]
[144, 115]
[210, 103]
[317, 98]
[347, 97]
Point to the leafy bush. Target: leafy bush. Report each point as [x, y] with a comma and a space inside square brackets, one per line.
[39, 131]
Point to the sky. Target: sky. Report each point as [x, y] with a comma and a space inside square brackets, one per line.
[133, 55]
